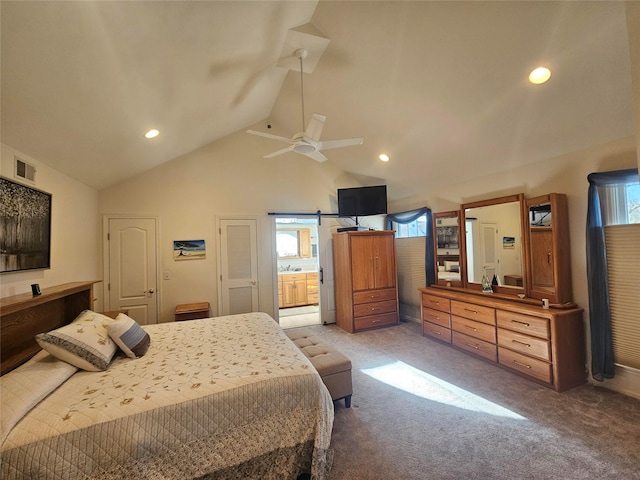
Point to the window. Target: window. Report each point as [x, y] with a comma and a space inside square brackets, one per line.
[613, 270]
[620, 203]
[417, 228]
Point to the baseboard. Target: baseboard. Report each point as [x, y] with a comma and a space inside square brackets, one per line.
[626, 381]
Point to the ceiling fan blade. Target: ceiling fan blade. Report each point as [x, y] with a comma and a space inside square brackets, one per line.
[314, 129]
[279, 152]
[317, 156]
[268, 135]
[346, 142]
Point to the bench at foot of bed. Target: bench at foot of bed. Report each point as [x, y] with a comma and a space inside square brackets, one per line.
[334, 368]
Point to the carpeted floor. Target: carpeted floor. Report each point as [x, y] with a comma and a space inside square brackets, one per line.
[468, 419]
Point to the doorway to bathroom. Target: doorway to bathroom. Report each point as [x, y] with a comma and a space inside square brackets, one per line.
[298, 267]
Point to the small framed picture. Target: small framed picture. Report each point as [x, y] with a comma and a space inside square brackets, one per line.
[188, 249]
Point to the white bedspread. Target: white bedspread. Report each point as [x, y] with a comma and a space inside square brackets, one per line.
[211, 397]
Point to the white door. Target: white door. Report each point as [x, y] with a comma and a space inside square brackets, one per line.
[490, 262]
[238, 256]
[325, 274]
[132, 268]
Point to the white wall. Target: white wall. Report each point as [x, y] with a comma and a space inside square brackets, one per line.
[226, 178]
[74, 230]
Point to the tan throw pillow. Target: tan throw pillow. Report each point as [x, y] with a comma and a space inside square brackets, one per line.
[129, 336]
[83, 343]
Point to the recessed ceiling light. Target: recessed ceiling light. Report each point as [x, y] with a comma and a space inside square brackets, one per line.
[384, 157]
[539, 75]
[153, 133]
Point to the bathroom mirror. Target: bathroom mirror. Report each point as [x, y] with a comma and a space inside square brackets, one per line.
[446, 232]
[493, 244]
[293, 242]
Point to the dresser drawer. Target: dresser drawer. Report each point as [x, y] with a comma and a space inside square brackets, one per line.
[435, 316]
[374, 295]
[473, 345]
[523, 323]
[474, 312]
[436, 303]
[374, 308]
[372, 321]
[474, 329]
[525, 344]
[436, 331]
[530, 366]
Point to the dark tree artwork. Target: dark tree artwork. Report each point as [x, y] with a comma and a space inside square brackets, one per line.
[25, 227]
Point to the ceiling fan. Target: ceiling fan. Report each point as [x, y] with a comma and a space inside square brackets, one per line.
[308, 141]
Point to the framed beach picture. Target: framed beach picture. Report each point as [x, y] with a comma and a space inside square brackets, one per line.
[25, 227]
[508, 242]
[188, 249]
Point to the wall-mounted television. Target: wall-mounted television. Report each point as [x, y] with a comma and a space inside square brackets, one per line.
[362, 201]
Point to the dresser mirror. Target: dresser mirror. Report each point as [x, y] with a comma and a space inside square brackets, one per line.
[549, 256]
[493, 244]
[447, 232]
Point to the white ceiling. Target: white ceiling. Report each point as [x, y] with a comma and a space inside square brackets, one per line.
[440, 86]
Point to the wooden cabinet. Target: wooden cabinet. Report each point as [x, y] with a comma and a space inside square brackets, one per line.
[297, 289]
[545, 345]
[365, 280]
[312, 288]
[549, 256]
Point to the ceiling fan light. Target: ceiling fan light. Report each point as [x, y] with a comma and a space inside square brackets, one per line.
[153, 133]
[384, 157]
[304, 148]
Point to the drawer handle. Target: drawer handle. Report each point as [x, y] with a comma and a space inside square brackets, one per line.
[522, 364]
[472, 328]
[475, 312]
[374, 296]
[472, 346]
[521, 323]
[521, 343]
[373, 309]
[437, 333]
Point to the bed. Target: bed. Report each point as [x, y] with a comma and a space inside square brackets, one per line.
[218, 398]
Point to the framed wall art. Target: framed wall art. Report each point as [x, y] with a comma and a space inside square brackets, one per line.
[188, 249]
[25, 227]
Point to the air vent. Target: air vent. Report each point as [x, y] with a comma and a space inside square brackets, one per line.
[25, 171]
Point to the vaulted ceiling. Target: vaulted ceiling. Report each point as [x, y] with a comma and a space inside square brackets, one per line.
[439, 86]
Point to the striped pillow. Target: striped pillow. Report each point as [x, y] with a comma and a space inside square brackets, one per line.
[129, 336]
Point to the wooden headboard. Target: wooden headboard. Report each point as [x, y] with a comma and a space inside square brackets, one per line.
[23, 316]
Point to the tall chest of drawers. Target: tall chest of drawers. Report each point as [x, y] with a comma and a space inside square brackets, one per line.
[545, 345]
[366, 280]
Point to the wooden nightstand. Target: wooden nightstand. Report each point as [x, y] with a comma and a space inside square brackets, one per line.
[192, 311]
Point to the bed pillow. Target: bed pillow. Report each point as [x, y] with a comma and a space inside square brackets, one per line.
[129, 336]
[83, 343]
[23, 388]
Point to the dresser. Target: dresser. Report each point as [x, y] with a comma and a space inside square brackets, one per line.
[366, 280]
[544, 345]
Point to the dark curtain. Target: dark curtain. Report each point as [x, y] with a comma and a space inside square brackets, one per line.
[410, 216]
[602, 365]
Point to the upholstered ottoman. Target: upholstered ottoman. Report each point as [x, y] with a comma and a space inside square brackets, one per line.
[334, 368]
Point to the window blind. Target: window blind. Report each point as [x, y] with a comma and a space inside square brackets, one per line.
[623, 262]
[411, 269]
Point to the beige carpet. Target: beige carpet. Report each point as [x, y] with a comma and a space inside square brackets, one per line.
[422, 410]
[299, 316]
